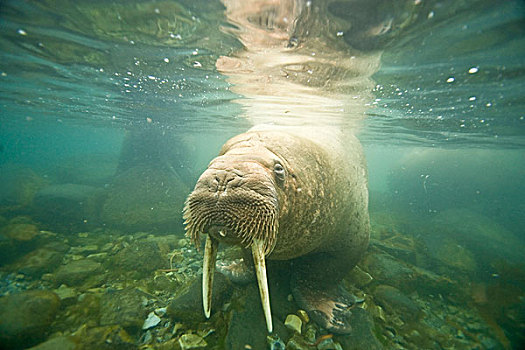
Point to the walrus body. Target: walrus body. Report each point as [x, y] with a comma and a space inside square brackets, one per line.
[295, 194]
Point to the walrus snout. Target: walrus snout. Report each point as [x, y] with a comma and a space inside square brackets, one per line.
[237, 198]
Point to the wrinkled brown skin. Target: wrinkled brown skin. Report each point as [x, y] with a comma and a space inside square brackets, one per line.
[322, 206]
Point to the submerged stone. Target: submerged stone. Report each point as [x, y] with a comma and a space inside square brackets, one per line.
[20, 231]
[384, 268]
[132, 258]
[192, 341]
[188, 305]
[152, 321]
[66, 294]
[363, 335]
[396, 302]
[123, 307]
[25, 318]
[293, 323]
[76, 272]
[38, 262]
[19, 185]
[58, 343]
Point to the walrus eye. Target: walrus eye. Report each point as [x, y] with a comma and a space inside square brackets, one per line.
[279, 171]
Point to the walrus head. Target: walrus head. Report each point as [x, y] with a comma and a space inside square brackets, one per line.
[236, 201]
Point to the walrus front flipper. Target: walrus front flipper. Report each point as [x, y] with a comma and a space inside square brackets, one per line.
[316, 289]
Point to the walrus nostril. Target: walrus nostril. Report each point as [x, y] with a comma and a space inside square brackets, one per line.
[224, 179]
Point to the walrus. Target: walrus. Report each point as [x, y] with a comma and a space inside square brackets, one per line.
[287, 193]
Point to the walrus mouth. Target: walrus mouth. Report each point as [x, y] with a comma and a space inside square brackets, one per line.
[247, 218]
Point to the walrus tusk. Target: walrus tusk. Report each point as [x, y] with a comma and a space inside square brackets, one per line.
[208, 270]
[260, 270]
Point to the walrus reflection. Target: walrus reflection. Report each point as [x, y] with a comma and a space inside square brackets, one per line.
[287, 194]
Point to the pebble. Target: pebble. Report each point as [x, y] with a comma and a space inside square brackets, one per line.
[65, 293]
[303, 315]
[161, 311]
[151, 321]
[191, 341]
[294, 323]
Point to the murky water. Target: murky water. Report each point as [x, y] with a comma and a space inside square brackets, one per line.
[110, 110]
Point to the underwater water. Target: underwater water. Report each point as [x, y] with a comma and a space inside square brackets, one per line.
[110, 111]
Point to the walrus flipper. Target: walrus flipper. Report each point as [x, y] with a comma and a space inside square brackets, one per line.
[316, 288]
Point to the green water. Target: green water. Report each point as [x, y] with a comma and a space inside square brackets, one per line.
[110, 110]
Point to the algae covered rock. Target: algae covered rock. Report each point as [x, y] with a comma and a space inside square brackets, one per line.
[19, 185]
[22, 232]
[123, 307]
[132, 258]
[41, 260]
[25, 317]
[76, 272]
[187, 306]
[144, 198]
[449, 254]
[394, 301]
[484, 238]
[363, 335]
[384, 268]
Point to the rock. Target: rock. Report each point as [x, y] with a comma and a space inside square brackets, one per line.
[76, 272]
[67, 295]
[275, 343]
[329, 344]
[392, 300]
[112, 337]
[84, 250]
[399, 246]
[247, 324]
[188, 305]
[133, 256]
[449, 254]
[487, 240]
[67, 207]
[296, 342]
[384, 268]
[18, 185]
[303, 315]
[58, 343]
[25, 318]
[20, 232]
[123, 307]
[363, 332]
[293, 323]
[144, 198]
[192, 341]
[39, 261]
[152, 321]
[359, 278]
[161, 311]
